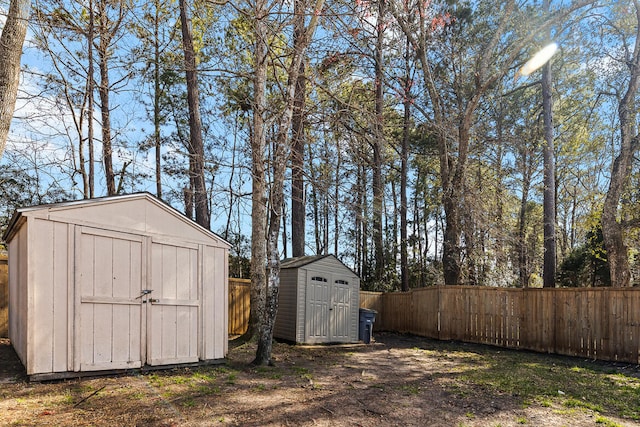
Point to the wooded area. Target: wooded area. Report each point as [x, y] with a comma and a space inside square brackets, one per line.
[403, 136]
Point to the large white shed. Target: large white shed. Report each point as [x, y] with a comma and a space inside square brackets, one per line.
[114, 283]
[318, 301]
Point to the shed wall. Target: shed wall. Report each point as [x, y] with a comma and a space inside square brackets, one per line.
[4, 296]
[18, 293]
[286, 320]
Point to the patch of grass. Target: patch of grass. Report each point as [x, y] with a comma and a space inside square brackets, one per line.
[303, 372]
[202, 376]
[546, 403]
[67, 398]
[231, 378]
[156, 380]
[576, 403]
[521, 420]
[470, 415]
[534, 378]
[606, 422]
[138, 395]
[180, 379]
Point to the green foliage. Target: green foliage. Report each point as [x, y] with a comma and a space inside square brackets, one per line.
[587, 265]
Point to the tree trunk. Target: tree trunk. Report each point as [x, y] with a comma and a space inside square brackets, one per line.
[104, 91]
[11, 40]
[549, 192]
[298, 207]
[89, 179]
[612, 230]
[156, 100]
[90, 105]
[259, 188]
[337, 184]
[281, 157]
[404, 160]
[523, 256]
[196, 144]
[378, 147]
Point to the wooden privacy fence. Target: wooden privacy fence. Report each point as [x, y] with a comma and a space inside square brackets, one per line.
[598, 323]
[239, 299]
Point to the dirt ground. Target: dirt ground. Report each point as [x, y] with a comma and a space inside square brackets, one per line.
[396, 381]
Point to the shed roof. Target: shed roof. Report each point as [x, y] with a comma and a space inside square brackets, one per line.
[52, 208]
[309, 259]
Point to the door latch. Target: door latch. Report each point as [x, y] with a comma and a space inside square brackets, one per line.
[144, 292]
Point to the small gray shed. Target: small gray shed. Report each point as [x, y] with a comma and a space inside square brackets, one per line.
[114, 283]
[319, 301]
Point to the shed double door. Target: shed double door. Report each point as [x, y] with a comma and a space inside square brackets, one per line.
[328, 308]
[136, 301]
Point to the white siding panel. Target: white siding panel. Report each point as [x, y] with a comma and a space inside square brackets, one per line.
[219, 286]
[207, 304]
[214, 303]
[61, 278]
[43, 271]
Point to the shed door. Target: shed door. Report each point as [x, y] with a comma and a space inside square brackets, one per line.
[172, 325]
[328, 308]
[317, 310]
[341, 310]
[109, 278]
[125, 318]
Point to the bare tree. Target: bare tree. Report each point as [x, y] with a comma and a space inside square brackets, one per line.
[612, 228]
[280, 159]
[454, 101]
